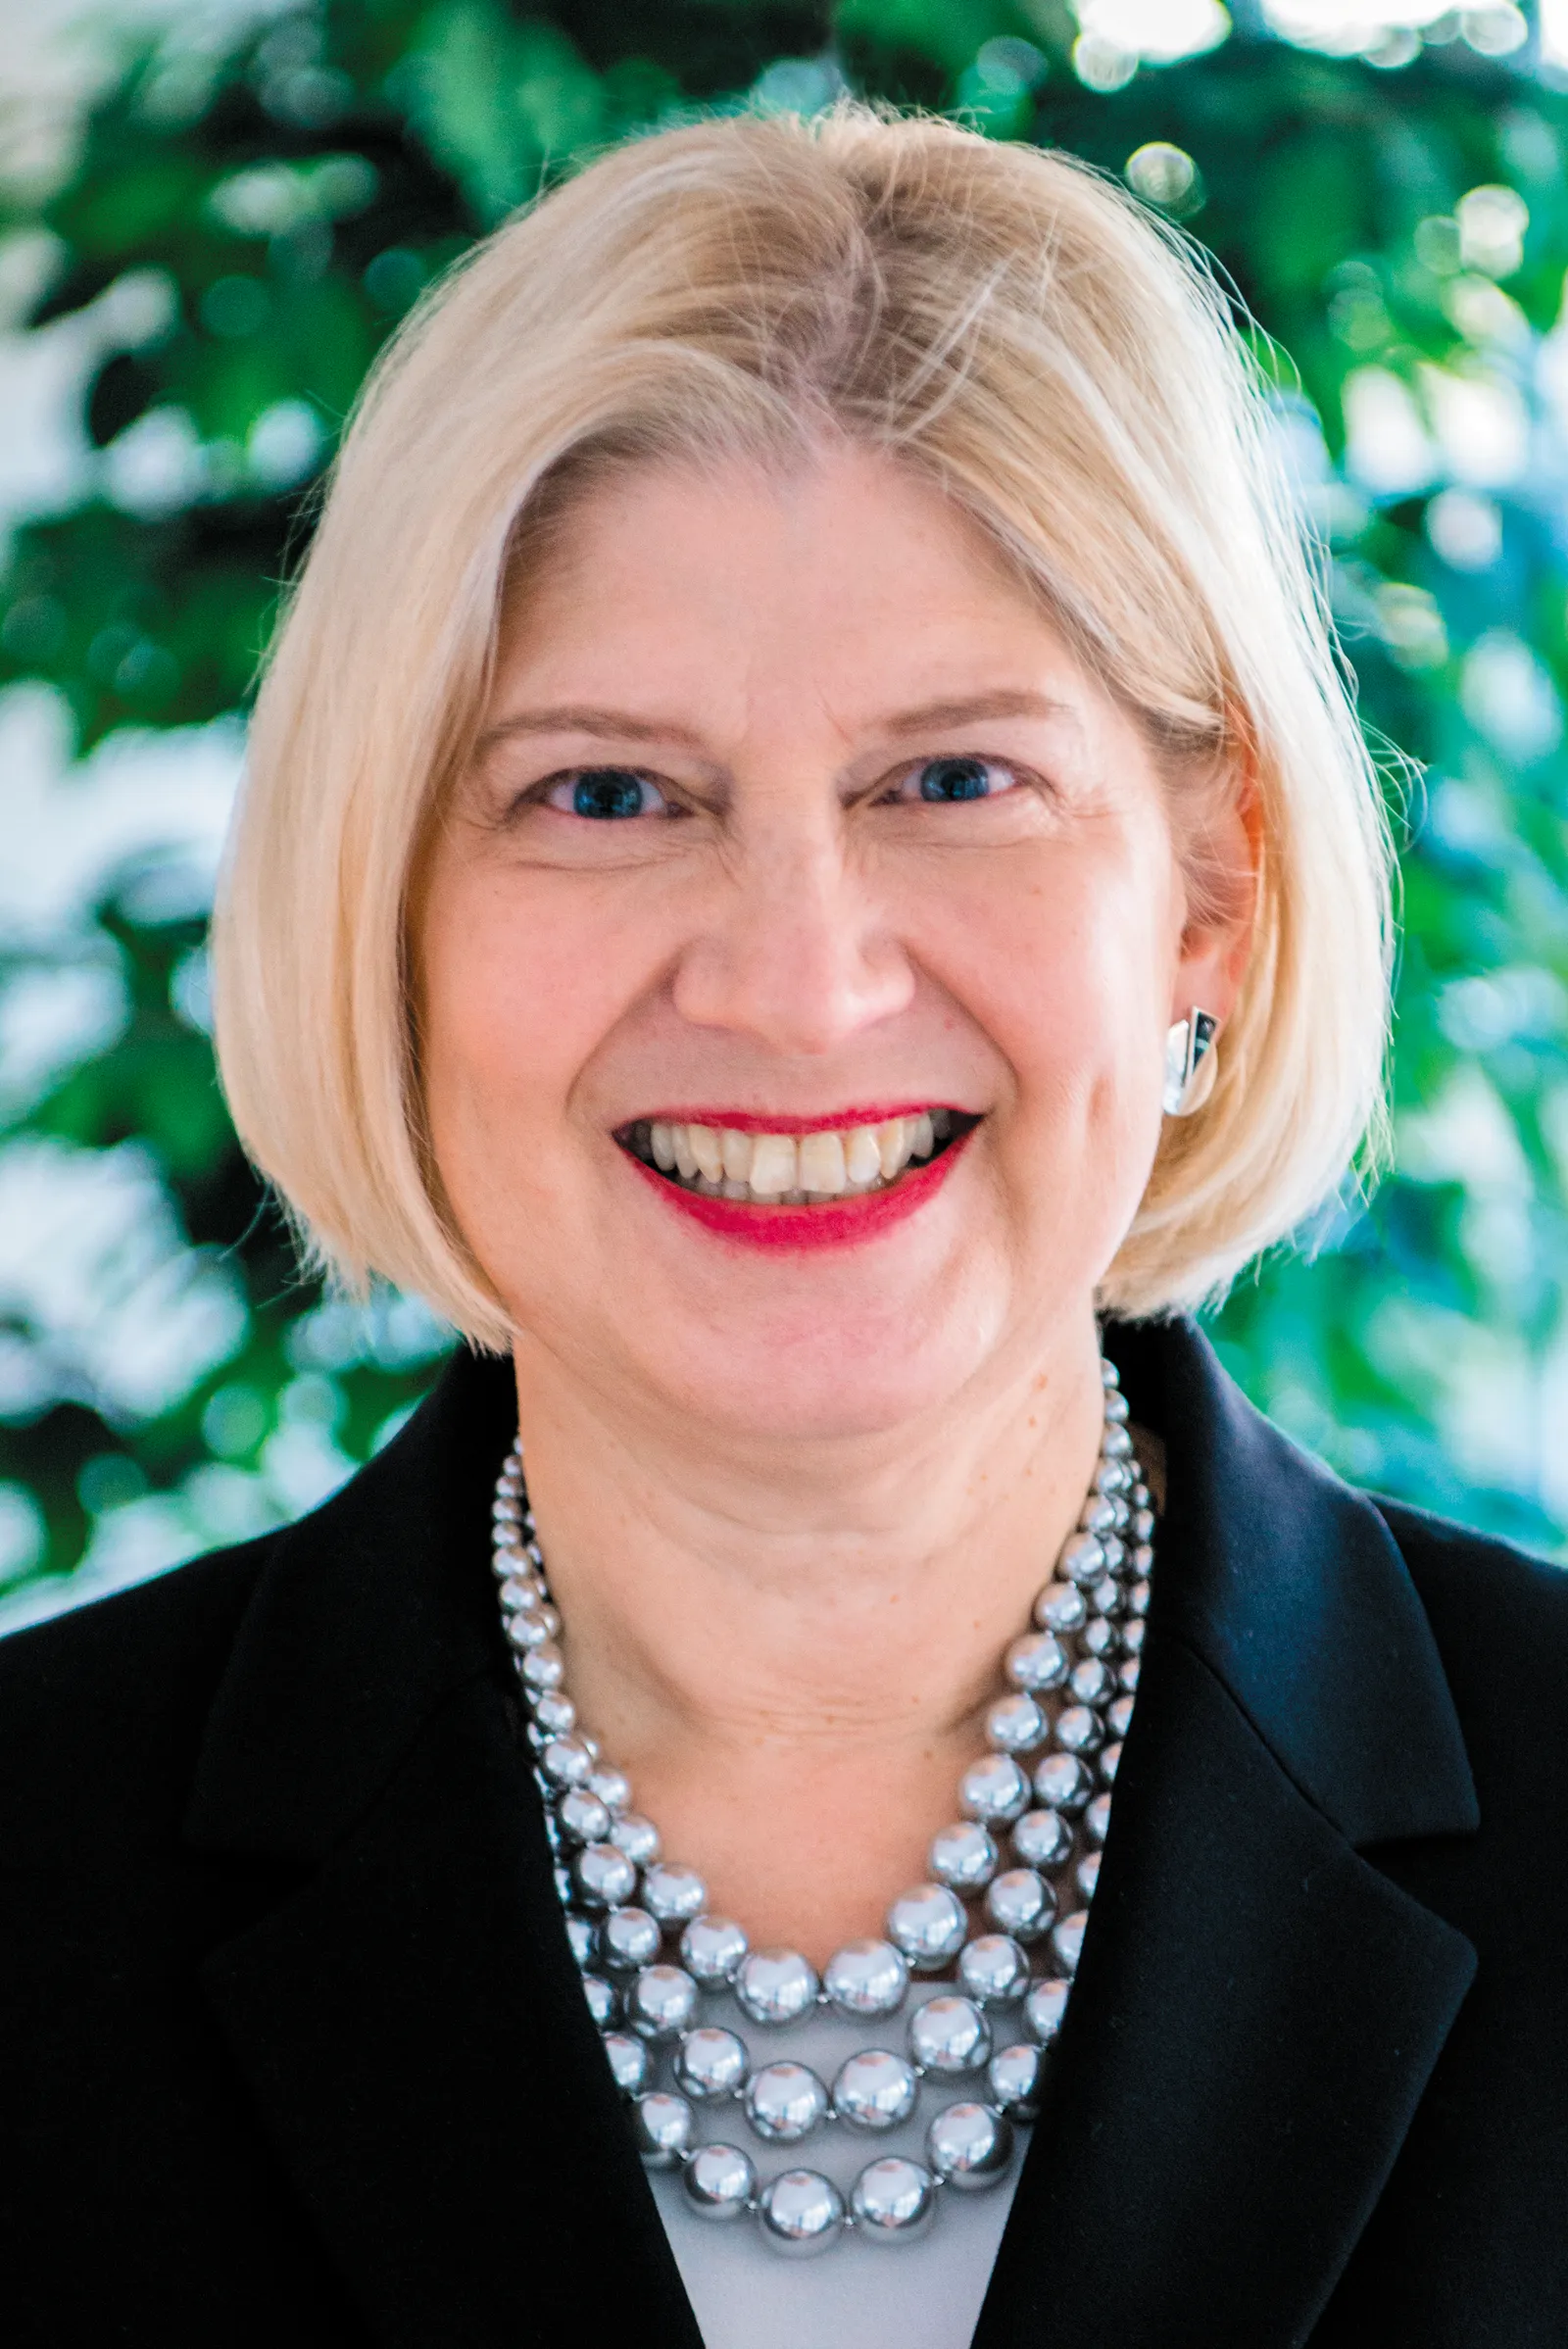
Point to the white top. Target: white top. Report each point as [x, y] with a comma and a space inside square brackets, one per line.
[920, 2295]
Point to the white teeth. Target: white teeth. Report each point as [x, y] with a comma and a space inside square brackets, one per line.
[823, 1164]
[725, 1163]
[773, 1165]
[863, 1160]
[708, 1152]
[892, 1146]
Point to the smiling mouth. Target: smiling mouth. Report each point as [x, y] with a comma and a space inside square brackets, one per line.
[820, 1167]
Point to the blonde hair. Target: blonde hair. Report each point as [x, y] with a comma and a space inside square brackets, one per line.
[1003, 321]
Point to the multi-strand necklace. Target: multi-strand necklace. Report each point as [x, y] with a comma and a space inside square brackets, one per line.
[998, 1927]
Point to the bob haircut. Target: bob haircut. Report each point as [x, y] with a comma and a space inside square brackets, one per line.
[1019, 333]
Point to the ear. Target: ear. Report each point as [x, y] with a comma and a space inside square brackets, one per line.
[1218, 826]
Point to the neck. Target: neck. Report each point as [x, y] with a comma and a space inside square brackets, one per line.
[790, 1648]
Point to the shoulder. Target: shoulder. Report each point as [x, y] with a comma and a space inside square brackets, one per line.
[1485, 1598]
[102, 1709]
[1500, 1618]
[354, 1611]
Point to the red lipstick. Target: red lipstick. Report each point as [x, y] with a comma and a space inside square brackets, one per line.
[772, 1121]
[834, 1223]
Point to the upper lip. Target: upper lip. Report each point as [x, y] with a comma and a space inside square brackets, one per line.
[769, 1121]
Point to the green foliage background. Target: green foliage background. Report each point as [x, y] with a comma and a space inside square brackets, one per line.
[289, 196]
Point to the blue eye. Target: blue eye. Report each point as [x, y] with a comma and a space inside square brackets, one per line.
[950, 779]
[607, 794]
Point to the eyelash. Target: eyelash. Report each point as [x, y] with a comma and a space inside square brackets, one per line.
[544, 793]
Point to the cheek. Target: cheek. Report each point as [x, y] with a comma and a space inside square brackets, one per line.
[517, 987]
[1063, 958]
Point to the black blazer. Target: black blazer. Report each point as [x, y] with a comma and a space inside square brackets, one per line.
[292, 2049]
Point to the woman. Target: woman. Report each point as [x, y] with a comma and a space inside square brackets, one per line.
[808, 875]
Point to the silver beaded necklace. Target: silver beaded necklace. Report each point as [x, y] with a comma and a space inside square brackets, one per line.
[1043, 1789]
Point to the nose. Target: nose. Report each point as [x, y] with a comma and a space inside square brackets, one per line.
[794, 953]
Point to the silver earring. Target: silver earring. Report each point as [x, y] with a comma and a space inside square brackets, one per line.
[1192, 1060]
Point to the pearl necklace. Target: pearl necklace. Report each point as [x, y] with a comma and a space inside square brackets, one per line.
[1071, 1682]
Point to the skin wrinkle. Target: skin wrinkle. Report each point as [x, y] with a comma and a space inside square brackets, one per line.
[795, 1506]
[610, 724]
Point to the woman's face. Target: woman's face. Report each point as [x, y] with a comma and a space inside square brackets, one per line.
[792, 826]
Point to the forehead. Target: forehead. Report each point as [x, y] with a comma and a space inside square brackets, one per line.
[844, 565]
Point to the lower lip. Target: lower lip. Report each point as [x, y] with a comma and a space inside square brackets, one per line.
[841, 1224]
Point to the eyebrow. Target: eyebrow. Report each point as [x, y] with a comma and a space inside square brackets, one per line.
[971, 707]
[621, 725]
[608, 725]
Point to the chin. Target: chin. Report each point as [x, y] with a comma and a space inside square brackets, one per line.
[850, 1374]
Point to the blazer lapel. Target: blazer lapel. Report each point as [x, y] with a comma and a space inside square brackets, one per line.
[428, 2072]
[1257, 2008]
[409, 2017]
